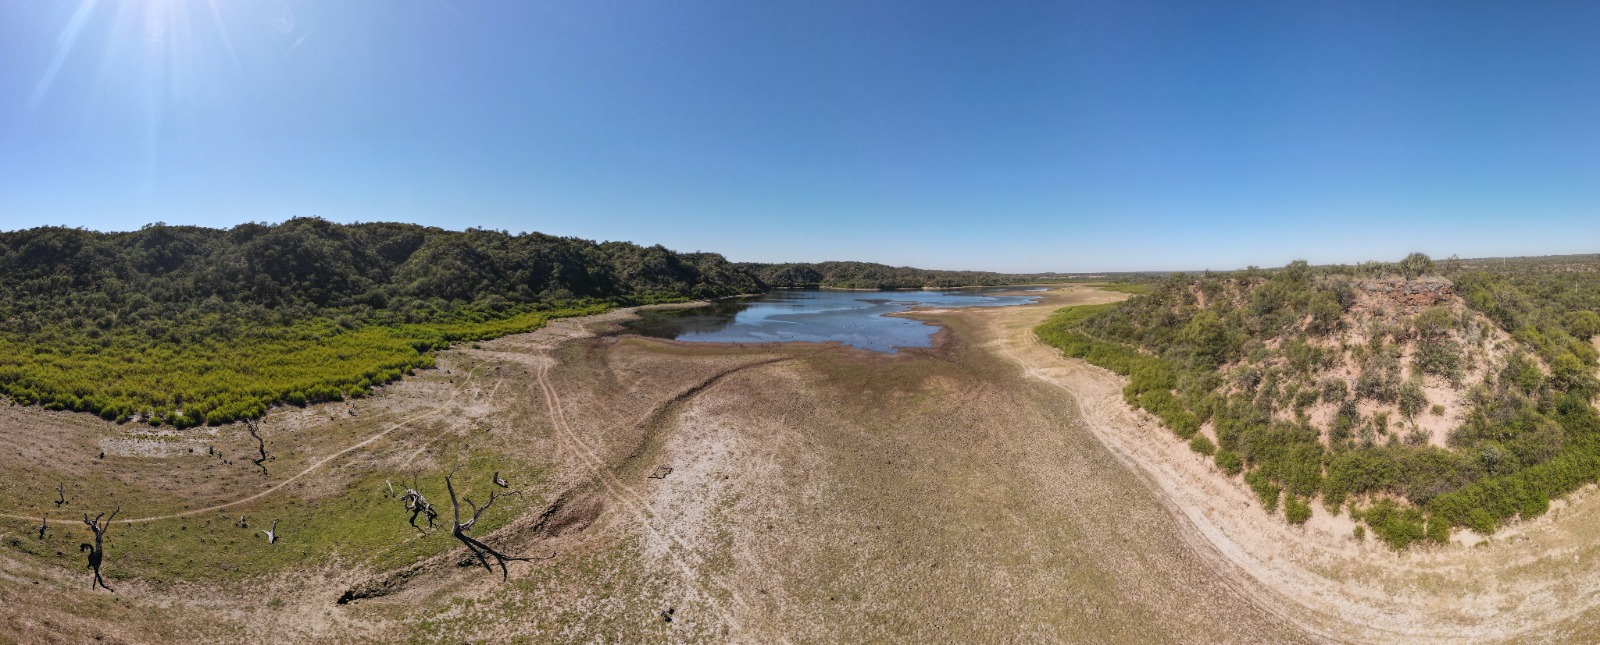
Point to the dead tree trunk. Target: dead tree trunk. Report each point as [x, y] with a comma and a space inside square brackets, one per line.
[418, 505]
[44, 523]
[97, 551]
[480, 551]
[272, 535]
[261, 445]
[61, 495]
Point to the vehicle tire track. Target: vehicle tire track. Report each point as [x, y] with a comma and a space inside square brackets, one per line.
[635, 502]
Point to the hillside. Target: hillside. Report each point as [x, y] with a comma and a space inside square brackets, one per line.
[185, 325]
[1415, 401]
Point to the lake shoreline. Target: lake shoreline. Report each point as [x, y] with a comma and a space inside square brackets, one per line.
[854, 318]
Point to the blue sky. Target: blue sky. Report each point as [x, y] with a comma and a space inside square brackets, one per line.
[1014, 136]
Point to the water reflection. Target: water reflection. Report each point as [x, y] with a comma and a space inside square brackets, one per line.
[855, 318]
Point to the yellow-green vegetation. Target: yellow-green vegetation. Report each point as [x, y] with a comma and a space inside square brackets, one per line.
[1314, 383]
[237, 374]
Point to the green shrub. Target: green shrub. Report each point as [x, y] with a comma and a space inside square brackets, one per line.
[1415, 265]
[1412, 400]
[1202, 445]
[1439, 357]
[1395, 525]
[1229, 462]
[1438, 530]
[1296, 510]
[1334, 390]
[1267, 490]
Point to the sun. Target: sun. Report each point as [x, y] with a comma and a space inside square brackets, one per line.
[159, 51]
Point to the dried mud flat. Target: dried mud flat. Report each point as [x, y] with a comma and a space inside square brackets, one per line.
[751, 493]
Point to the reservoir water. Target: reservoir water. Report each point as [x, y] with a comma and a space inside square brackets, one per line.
[855, 318]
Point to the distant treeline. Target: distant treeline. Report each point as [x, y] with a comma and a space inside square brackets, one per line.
[311, 263]
[867, 275]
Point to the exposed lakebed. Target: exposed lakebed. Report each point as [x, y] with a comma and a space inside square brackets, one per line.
[855, 318]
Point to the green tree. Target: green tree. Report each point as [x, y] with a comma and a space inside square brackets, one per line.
[1583, 324]
[1415, 265]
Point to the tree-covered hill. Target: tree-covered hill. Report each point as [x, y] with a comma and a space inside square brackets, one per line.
[310, 262]
[188, 325]
[1417, 401]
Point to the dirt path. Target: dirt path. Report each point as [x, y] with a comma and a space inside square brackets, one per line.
[1532, 579]
[471, 375]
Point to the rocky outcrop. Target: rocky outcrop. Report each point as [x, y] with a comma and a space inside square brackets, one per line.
[1414, 293]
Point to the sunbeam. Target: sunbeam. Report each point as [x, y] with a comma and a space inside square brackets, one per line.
[64, 46]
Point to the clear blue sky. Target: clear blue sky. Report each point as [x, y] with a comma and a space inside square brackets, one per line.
[986, 135]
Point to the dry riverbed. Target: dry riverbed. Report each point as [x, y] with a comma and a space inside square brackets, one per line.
[985, 489]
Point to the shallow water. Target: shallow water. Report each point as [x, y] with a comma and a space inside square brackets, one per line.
[855, 318]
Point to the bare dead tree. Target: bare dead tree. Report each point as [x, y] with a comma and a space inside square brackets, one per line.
[261, 445]
[44, 523]
[480, 551]
[97, 551]
[272, 535]
[418, 505]
[500, 482]
[61, 495]
[241, 523]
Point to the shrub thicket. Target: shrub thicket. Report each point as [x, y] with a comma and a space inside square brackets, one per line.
[1237, 351]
